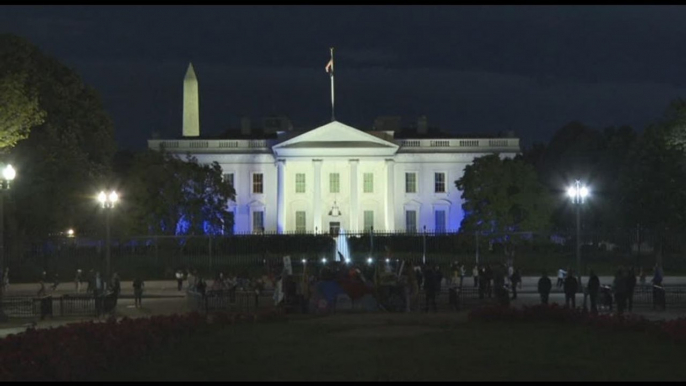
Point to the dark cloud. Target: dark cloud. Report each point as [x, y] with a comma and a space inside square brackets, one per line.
[469, 68]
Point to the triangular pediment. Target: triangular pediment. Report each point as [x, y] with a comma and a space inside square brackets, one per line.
[336, 137]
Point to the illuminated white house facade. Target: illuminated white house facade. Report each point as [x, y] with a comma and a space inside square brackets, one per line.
[336, 177]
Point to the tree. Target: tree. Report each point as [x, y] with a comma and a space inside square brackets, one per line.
[674, 123]
[503, 195]
[652, 183]
[167, 195]
[19, 109]
[64, 160]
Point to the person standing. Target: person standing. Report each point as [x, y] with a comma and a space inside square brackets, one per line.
[419, 276]
[55, 281]
[593, 288]
[515, 279]
[630, 286]
[560, 277]
[510, 272]
[488, 276]
[179, 279]
[41, 289]
[91, 281]
[138, 286]
[544, 287]
[430, 289]
[620, 285]
[6, 280]
[462, 274]
[571, 286]
[642, 277]
[77, 281]
[438, 277]
[658, 291]
[475, 275]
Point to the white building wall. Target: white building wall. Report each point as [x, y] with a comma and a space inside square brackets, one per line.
[425, 201]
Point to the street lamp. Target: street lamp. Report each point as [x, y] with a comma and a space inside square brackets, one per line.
[108, 200]
[578, 193]
[8, 174]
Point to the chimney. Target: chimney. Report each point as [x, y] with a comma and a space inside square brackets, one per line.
[191, 108]
[245, 126]
[422, 125]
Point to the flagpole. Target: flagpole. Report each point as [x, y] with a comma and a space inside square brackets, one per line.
[333, 116]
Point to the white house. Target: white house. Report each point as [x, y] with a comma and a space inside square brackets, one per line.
[336, 177]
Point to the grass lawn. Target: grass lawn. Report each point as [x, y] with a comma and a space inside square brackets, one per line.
[387, 347]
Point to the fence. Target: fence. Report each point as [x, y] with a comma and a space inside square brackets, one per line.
[157, 257]
[65, 305]
[227, 301]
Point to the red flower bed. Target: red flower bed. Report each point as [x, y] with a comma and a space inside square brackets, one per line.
[78, 351]
[673, 329]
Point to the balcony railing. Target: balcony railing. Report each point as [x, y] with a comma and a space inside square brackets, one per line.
[485, 144]
[209, 145]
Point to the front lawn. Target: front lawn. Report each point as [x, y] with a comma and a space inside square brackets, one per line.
[409, 347]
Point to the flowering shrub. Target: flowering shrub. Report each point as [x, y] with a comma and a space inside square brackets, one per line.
[78, 351]
[673, 329]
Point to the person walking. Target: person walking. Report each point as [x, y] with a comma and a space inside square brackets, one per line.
[571, 286]
[593, 288]
[544, 287]
[138, 286]
[510, 272]
[630, 287]
[6, 280]
[475, 275]
[515, 279]
[642, 277]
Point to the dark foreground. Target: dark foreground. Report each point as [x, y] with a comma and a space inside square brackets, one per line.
[386, 347]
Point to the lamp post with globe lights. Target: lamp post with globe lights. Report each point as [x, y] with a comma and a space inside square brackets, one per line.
[578, 193]
[108, 200]
[8, 174]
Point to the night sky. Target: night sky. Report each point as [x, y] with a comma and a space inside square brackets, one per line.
[469, 69]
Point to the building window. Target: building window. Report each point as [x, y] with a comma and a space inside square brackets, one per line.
[440, 221]
[410, 221]
[228, 178]
[334, 183]
[257, 183]
[257, 221]
[368, 220]
[368, 183]
[300, 222]
[300, 182]
[439, 182]
[410, 182]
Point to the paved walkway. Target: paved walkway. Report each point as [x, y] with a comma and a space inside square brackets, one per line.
[163, 298]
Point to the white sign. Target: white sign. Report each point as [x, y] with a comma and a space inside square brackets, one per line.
[287, 267]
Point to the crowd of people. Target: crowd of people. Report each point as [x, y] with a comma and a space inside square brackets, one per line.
[498, 280]
[619, 293]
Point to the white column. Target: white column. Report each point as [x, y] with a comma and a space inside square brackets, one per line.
[281, 196]
[390, 195]
[317, 193]
[354, 222]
